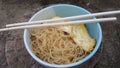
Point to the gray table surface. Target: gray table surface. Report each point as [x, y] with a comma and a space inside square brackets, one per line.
[12, 11]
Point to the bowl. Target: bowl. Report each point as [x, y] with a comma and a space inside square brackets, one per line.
[64, 10]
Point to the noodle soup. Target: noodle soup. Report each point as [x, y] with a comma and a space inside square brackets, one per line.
[62, 46]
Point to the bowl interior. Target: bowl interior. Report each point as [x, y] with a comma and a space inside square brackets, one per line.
[64, 10]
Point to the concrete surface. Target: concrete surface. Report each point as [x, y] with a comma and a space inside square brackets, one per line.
[12, 11]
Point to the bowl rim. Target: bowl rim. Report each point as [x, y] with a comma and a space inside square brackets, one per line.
[67, 65]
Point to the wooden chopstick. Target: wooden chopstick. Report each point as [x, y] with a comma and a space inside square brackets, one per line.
[65, 18]
[62, 23]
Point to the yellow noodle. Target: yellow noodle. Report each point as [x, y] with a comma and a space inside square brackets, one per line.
[53, 46]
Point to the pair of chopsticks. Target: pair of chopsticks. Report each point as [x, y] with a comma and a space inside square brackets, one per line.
[50, 22]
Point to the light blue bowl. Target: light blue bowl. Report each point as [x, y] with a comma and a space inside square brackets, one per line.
[64, 10]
